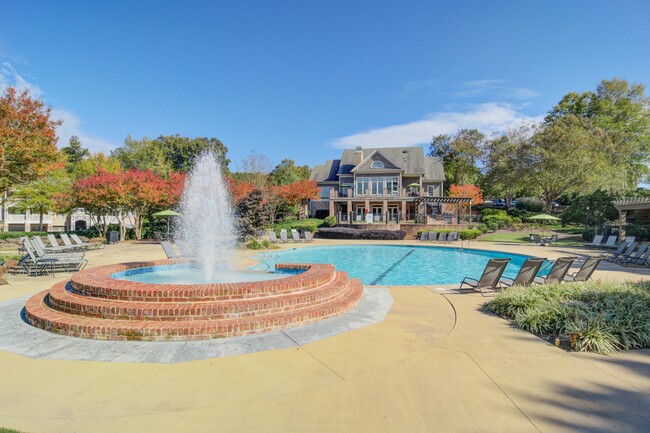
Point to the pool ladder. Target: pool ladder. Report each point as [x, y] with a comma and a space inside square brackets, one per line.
[266, 255]
[460, 245]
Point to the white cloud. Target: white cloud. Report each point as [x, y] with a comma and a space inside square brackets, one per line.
[415, 86]
[488, 118]
[497, 89]
[71, 125]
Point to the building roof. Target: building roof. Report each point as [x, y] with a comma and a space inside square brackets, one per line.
[410, 159]
[632, 203]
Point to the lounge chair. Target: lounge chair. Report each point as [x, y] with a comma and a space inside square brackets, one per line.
[54, 244]
[526, 274]
[169, 250]
[87, 245]
[610, 242]
[273, 238]
[433, 236]
[598, 239]
[641, 261]
[424, 236]
[295, 235]
[283, 235]
[616, 253]
[630, 238]
[38, 243]
[184, 248]
[535, 239]
[453, 237]
[558, 271]
[309, 237]
[628, 251]
[585, 272]
[442, 237]
[35, 262]
[490, 278]
[633, 256]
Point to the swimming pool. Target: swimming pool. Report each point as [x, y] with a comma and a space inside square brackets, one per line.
[398, 265]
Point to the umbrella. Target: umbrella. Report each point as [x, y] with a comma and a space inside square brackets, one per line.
[167, 213]
[414, 184]
[544, 217]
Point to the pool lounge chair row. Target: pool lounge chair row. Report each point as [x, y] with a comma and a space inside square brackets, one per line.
[295, 236]
[439, 237]
[39, 260]
[492, 279]
[609, 242]
[627, 254]
[184, 250]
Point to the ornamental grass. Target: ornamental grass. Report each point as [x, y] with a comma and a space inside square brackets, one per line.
[596, 317]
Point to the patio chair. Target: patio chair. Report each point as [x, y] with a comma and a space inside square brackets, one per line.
[184, 248]
[598, 239]
[490, 278]
[628, 251]
[424, 236]
[38, 242]
[585, 272]
[610, 242]
[283, 235]
[558, 271]
[550, 241]
[641, 261]
[535, 239]
[34, 263]
[273, 238]
[433, 236]
[309, 237]
[618, 251]
[87, 245]
[453, 237]
[630, 238]
[633, 256]
[527, 273]
[39, 248]
[295, 235]
[54, 244]
[169, 250]
[442, 237]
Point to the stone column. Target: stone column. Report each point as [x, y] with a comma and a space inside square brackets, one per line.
[622, 217]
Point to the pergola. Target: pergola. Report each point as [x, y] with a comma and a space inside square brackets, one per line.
[447, 200]
[627, 204]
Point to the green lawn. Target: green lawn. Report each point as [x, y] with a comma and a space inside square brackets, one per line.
[524, 238]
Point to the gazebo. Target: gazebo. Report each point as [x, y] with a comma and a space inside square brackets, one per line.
[446, 200]
[628, 204]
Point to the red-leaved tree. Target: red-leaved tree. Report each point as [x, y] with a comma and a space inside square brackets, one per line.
[298, 194]
[467, 190]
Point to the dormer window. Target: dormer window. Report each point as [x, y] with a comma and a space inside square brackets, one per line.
[377, 164]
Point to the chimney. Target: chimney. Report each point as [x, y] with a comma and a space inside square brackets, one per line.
[358, 155]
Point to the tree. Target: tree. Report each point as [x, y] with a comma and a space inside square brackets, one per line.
[591, 209]
[460, 155]
[623, 112]
[145, 154]
[40, 196]
[27, 138]
[252, 213]
[568, 155]
[288, 172]
[239, 189]
[466, 190]
[298, 194]
[75, 153]
[255, 169]
[94, 163]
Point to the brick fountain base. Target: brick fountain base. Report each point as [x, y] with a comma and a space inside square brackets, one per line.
[94, 305]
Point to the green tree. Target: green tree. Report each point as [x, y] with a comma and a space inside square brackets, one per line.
[460, 155]
[143, 155]
[75, 153]
[571, 154]
[591, 209]
[252, 213]
[40, 196]
[180, 152]
[623, 111]
[288, 172]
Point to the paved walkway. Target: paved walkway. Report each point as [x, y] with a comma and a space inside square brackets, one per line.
[436, 363]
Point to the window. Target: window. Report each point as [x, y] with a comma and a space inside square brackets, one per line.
[377, 164]
[325, 192]
[392, 185]
[377, 185]
[362, 185]
[431, 190]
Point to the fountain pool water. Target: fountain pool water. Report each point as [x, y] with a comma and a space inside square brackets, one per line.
[207, 222]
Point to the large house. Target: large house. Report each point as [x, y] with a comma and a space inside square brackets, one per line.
[389, 184]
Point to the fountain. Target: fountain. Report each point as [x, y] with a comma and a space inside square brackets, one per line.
[207, 219]
[123, 302]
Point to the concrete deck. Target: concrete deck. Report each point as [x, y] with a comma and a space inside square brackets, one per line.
[436, 363]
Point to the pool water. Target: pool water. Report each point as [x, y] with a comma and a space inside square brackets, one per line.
[187, 274]
[398, 265]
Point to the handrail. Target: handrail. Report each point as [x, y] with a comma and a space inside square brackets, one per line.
[271, 255]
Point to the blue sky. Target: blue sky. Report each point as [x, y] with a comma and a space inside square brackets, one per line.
[302, 79]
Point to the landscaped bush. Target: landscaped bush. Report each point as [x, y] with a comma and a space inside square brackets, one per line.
[306, 225]
[531, 205]
[499, 221]
[595, 317]
[329, 221]
[350, 233]
[254, 245]
[14, 235]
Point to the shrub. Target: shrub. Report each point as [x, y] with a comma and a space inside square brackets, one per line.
[469, 234]
[254, 245]
[14, 235]
[597, 317]
[482, 228]
[351, 233]
[306, 225]
[491, 212]
[495, 222]
[531, 205]
[329, 221]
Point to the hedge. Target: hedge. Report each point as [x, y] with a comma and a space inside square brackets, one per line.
[14, 235]
[308, 225]
[465, 234]
[349, 233]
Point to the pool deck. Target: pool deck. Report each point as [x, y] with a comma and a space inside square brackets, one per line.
[435, 364]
